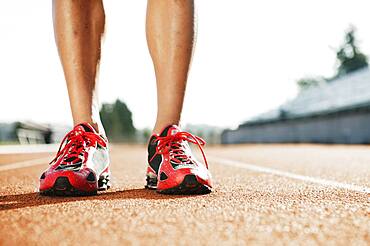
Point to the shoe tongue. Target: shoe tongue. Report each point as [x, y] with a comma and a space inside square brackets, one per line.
[86, 127]
[170, 130]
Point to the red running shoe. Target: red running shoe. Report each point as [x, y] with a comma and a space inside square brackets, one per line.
[81, 166]
[172, 167]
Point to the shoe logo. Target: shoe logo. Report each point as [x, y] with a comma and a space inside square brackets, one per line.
[72, 167]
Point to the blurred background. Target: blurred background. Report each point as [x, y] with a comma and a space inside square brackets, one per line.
[265, 71]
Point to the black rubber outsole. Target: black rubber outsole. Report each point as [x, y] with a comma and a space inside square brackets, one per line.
[62, 187]
[151, 183]
[189, 186]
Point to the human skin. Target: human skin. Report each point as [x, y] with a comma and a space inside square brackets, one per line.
[79, 28]
[170, 37]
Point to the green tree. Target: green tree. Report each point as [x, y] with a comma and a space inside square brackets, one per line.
[117, 121]
[349, 56]
[106, 112]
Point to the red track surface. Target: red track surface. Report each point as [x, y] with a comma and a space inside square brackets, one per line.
[249, 204]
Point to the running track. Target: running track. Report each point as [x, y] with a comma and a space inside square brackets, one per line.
[269, 194]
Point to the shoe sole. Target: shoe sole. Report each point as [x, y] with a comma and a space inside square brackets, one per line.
[62, 187]
[189, 186]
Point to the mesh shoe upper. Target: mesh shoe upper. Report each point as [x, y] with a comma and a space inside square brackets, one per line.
[170, 158]
[82, 159]
[81, 146]
[173, 144]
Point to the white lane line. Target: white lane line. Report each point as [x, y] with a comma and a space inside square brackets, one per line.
[28, 148]
[23, 164]
[324, 182]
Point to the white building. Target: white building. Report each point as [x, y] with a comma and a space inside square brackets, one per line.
[334, 112]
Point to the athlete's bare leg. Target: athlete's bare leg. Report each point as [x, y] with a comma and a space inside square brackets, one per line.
[170, 36]
[79, 27]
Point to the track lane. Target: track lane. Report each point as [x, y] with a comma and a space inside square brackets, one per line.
[324, 182]
[246, 206]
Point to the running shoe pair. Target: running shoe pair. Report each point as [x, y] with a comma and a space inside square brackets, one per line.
[81, 166]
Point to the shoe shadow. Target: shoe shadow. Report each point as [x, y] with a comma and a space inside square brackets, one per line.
[34, 199]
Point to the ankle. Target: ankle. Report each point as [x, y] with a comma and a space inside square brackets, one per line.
[98, 127]
[159, 126]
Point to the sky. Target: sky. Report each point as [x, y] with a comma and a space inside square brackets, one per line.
[247, 58]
